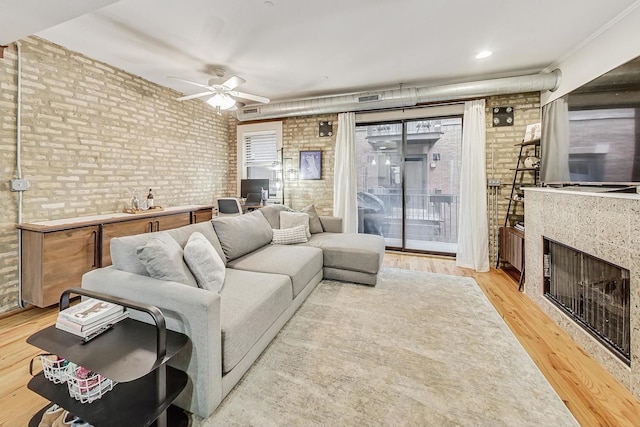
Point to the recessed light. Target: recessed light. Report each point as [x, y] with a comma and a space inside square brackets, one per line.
[484, 54]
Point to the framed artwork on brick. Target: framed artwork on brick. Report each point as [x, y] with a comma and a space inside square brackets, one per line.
[311, 164]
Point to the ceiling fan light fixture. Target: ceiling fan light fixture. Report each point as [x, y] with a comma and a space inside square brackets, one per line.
[222, 101]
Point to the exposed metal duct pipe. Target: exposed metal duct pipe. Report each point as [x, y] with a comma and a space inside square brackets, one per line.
[397, 98]
[505, 86]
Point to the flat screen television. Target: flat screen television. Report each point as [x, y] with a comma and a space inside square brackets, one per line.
[591, 136]
[253, 186]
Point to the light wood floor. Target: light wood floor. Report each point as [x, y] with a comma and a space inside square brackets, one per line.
[593, 396]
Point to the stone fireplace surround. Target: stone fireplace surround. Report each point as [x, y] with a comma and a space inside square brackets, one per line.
[605, 225]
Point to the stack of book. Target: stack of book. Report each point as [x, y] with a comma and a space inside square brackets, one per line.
[89, 317]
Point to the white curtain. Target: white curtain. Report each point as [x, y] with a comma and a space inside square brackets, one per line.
[555, 134]
[345, 204]
[473, 228]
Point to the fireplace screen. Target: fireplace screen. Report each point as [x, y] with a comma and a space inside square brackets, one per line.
[593, 292]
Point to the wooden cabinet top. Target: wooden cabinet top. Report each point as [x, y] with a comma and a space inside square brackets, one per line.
[67, 223]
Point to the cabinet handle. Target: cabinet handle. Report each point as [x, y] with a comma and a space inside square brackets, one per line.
[95, 249]
[150, 226]
[157, 225]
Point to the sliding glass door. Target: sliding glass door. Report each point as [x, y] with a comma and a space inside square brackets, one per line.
[408, 183]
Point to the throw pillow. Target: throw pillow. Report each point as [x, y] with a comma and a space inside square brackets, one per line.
[162, 256]
[288, 236]
[242, 234]
[272, 214]
[293, 219]
[182, 235]
[315, 226]
[204, 262]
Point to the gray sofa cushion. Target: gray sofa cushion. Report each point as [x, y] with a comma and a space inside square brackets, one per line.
[163, 258]
[350, 251]
[250, 303]
[315, 226]
[294, 219]
[182, 235]
[331, 224]
[124, 252]
[300, 263]
[242, 234]
[272, 214]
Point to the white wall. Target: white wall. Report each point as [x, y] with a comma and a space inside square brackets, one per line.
[615, 44]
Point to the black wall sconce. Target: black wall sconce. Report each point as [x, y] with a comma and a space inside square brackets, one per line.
[502, 116]
[325, 128]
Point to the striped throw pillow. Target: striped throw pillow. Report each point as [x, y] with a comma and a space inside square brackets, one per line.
[287, 236]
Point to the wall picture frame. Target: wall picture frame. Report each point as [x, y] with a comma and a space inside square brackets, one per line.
[534, 131]
[310, 164]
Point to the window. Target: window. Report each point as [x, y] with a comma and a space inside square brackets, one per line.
[259, 148]
[409, 176]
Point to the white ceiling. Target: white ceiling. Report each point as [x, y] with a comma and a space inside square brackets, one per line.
[21, 18]
[287, 49]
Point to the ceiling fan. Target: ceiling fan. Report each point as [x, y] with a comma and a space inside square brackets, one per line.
[223, 96]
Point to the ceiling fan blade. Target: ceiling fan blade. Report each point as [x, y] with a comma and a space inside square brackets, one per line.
[197, 95]
[190, 82]
[233, 82]
[250, 96]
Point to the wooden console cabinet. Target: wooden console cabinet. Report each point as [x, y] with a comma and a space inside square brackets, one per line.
[55, 254]
[511, 250]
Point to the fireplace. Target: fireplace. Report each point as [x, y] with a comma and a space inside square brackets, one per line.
[605, 226]
[594, 293]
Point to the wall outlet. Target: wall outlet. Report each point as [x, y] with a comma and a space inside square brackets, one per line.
[493, 182]
[19, 184]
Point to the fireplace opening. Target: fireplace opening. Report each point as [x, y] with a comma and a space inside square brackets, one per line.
[592, 292]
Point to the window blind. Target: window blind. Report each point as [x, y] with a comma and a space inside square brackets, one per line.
[260, 148]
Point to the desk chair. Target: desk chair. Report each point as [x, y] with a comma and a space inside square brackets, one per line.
[229, 206]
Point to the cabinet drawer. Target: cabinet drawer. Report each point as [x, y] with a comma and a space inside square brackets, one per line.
[201, 215]
[167, 222]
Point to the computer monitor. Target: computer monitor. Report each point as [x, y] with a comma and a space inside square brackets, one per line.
[253, 186]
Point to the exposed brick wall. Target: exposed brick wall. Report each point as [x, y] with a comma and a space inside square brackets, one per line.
[502, 152]
[90, 133]
[302, 134]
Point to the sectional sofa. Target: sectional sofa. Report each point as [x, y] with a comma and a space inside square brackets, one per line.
[230, 322]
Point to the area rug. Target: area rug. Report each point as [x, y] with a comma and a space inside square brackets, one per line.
[419, 349]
